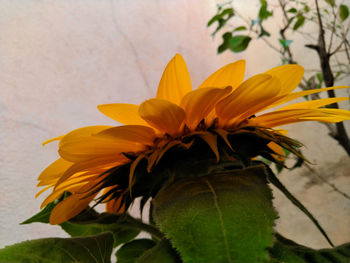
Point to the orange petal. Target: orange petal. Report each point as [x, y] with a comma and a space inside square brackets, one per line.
[288, 75]
[54, 170]
[199, 103]
[279, 153]
[163, 115]
[132, 133]
[123, 113]
[175, 81]
[53, 139]
[71, 206]
[229, 75]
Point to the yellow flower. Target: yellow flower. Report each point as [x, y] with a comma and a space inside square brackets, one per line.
[222, 112]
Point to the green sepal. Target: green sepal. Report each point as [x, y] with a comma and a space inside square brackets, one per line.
[223, 217]
[131, 251]
[160, 253]
[287, 251]
[57, 250]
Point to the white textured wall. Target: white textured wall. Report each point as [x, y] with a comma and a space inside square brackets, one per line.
[59, 59]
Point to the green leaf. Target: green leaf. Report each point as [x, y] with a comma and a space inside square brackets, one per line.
[160, 253]
[274, 180]
[223, 217]
[240, 28]
[41, 217]
[89, 223]
[319, 77]
[91, 249]
[285, 250]
[131, 251]
[225, 44]
[331, 2]
[263, 12]
[343, 12]
[221, 18]
[285, 43]
[121, 233]
[292, 10]
[299, 23]
[239, 43]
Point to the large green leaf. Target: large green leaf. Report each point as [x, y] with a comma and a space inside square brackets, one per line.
[91, 223]
[285, 250]
[131, 251]
[93, 249]
[224, 217]
[160, 253]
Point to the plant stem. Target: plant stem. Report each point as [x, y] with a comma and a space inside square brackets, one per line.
[138, 224]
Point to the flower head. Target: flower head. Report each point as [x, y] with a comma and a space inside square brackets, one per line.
[219, 122]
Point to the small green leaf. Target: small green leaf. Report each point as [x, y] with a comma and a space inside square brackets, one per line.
[131, 251]
[240, 28]
[41, 217]
[331, 2]
[57, 250]
[292, 10]
[225, 44]
[343, 12]
[285, 43]
[285, 250]
[319, 77]
[239, 43]
[160, 253]
[299, 23]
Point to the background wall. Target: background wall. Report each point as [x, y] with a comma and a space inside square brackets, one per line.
[59, 59]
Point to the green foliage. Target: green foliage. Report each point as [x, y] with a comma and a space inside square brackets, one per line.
[274, 180]
[285, 43]
[89, 223]
[331, 2]
[239, 43]
[223, 217]
[160, 253]
[131, 251]
[222, 17]
[285, 250]
[299, 23]
[343, 12]
[57, 250]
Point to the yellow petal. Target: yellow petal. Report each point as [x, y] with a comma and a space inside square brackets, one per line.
[248, 98]
[93, 164]
[296, 95]
[288, 75]
[313, 104]
[55, 170]
[83, 144]
[199, 103]
[123, 113]
[175, 81]
[212, 141]
[163, 115]
[132, 133]
[71, 206]
[278, 118]
[53, 139]
[229, 75]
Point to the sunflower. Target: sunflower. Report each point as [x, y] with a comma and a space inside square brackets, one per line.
[180, 132]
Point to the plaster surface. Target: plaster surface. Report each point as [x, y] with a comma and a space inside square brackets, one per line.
[59, 59]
